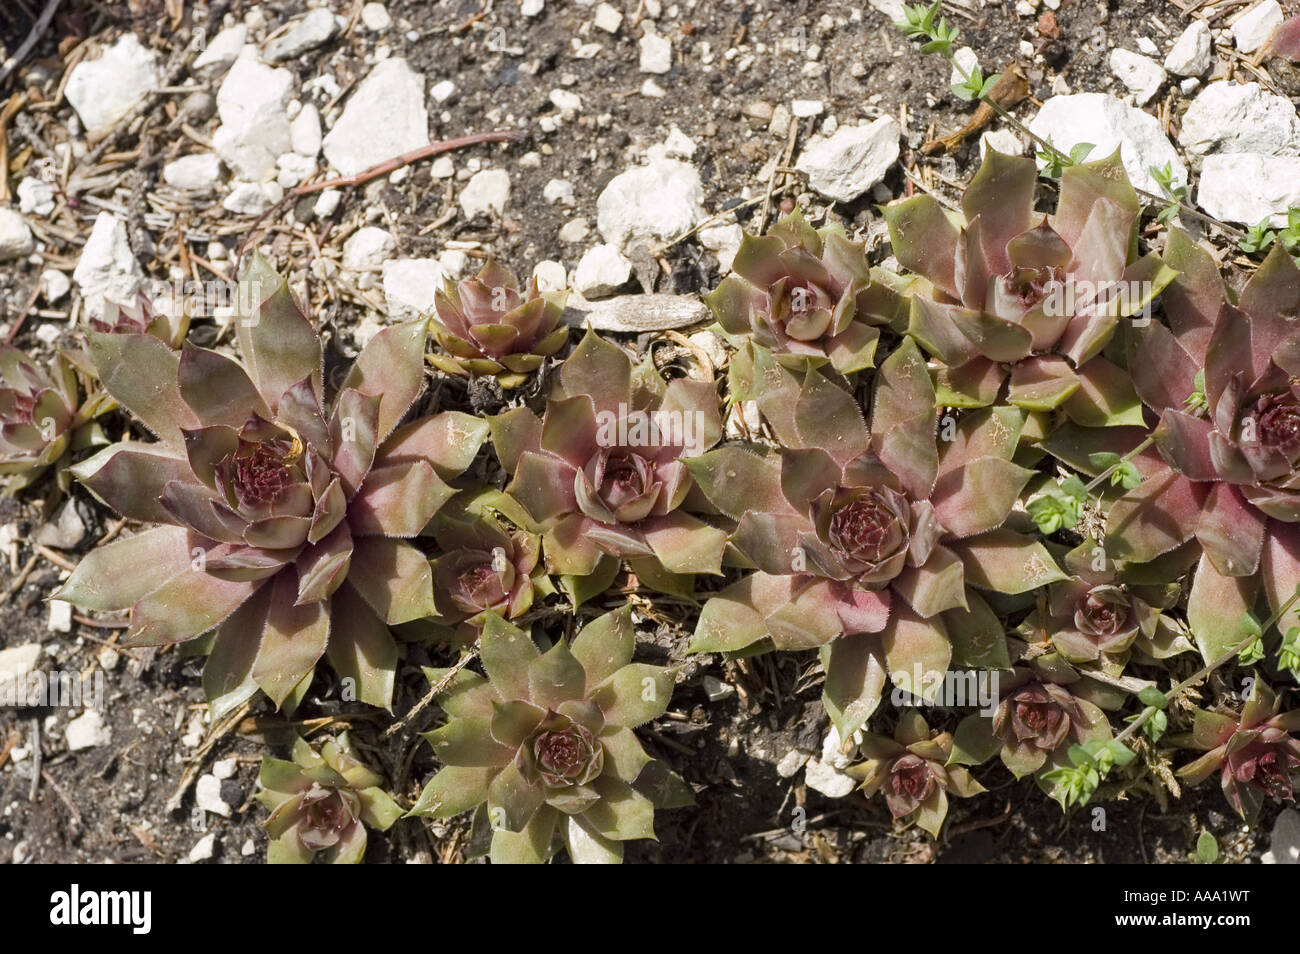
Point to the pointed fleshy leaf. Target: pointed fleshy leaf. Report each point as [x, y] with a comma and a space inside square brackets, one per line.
[917, 652]
[556, 677]
[937, 586]
[979, 496]
[624, 755]
[1231, 531]
[544, 485]
[116, 575]
[973, 741]
[1007, 562]
[1002, 195]
[1280, 570]
[1269, 298]
[188, 605]
[605, 645]
[1105, 397]
[994, 338]
[324, 566]
[398, 501]
[393, 577]
[353, 425]
[685, 544]
[140, 371]
[130, 478]
[600, 369]
[1042, 383]
[391, 367]
[512, 799]
[809, 616]
[978, 637]
[903, 420]
[276, 341]
[1216, 607]
[622, 813]
[448, 442]
[301, 411]
[1192, 301]
[855, 678]
[1085, 184]
[736, 480]
[586, 846]
[362, 649]
[827, 417]
[532, 845]
[513, 432]
[934, 326]
[228, 673]
[455, 789]
[292, 642]
[925, 240]
[218, 389]
[634, 694]
[507, 653]
[469, 742]
[1164, 374]
[1154, 518]
[729, 620]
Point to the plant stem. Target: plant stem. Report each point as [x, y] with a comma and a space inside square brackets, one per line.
[434, 690]
[1101, 478]
[1063, 159]
[1208, 668]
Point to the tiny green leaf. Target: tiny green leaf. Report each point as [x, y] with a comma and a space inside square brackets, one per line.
[1151, 696]
[1207, 848]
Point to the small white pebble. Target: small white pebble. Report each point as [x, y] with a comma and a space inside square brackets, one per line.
[60, 620]
[204, 849]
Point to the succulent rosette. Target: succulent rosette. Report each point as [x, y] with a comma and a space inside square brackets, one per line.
[484, 567]
[807, 295]
[42, 417]
[1023, 304]
[543, 749]
[487, 326]
[275, 516]
[321, 804]
[1041, 714]
[604, 473]
[1221, 378]
[868, 543]
[911, 769]
[1254, 753]
[1097, 620]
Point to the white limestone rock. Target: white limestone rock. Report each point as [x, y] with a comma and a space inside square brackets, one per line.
[105, 89]
[384, 117]
[847, 163]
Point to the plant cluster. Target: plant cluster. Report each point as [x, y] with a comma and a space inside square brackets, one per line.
[1045, 460]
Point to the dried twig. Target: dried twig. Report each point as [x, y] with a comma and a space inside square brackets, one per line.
[22, 315]
[36, 760]
[415, 155]
[67, 802]
[389, 165]
[219, 732]
[10, 109]
[38, 29]
[433, 692]
[17, 583]
[61, 562]
[792, 135]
